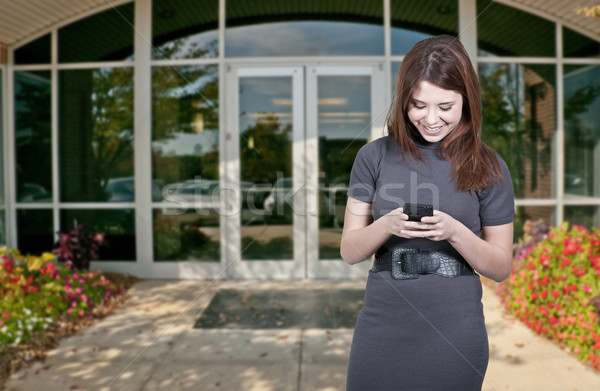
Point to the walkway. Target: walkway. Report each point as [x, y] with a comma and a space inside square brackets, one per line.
[150, 344]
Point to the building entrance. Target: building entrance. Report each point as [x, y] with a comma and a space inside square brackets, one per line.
[292, 136]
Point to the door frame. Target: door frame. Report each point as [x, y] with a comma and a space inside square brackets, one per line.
[334, 269]
[306, 263]
[263, 269]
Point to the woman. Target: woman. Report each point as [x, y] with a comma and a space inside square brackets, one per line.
[422, 324]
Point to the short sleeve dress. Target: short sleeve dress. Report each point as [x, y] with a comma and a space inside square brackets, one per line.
[426, 333]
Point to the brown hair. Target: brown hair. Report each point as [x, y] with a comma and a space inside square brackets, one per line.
[443, 61]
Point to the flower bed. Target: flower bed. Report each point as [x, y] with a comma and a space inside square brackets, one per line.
[42, 301]
[555, 287]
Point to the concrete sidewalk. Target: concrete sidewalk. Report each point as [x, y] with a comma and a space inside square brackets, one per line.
[150, 344]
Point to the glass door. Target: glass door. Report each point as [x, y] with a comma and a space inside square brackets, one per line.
[287, 178]
[345, 110]
[265, 139]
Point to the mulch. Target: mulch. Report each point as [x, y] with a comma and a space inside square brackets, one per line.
[14, 359]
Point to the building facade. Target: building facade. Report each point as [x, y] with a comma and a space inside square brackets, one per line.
[214, 138]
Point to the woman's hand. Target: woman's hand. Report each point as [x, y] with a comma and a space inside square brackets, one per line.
[440, 226]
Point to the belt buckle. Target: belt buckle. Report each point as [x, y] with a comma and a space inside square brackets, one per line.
[397, 256]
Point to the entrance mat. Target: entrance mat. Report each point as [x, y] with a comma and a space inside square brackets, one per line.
[277, 309]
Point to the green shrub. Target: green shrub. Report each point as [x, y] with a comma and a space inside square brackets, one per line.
[555, 287]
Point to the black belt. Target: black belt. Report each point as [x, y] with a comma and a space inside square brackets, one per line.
[408, 263]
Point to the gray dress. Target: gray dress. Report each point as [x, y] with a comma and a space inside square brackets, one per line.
[428, 333]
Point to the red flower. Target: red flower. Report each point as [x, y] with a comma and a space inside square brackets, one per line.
[544, 294]
[6, 315]
[555, 293]
[578, 272]
[553, 320]
[543, 310]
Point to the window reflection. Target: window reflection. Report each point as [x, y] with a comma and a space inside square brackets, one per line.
[413, 21]
[519, 122]
[186, 237]
[96, 135]
[507, 31]
[344, 110]
[545, 214]
[578, 45]
[185, 29]
[105, 36]
[33, 136]
[303, 29]
[185, 162]
[35, 52]
[117, 225]
[582, 130]
[267, 187]
[185, 131]
[587, 216]
[36, 231]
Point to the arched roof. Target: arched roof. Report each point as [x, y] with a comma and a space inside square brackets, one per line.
[24, 19]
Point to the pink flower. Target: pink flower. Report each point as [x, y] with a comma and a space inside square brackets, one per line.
[82, 281]
[76, 276]
[81, 313]
[78, 291]
[6, 315]
[84, 298]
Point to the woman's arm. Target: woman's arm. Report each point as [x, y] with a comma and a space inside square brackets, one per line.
[362, 236]
[490, 255]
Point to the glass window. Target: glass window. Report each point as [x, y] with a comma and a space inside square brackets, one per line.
[2, 228]
[185, 29]
[96, 135]
[578, 45]
[582, 130]
[185, 162]
[344, 110]
[307, 28]
[185, 127]
[546, 214]
[105, 36]
[117, 225]
[519, 122]
[413, 21]
[186, 235]
[506, 31]
[266, 133]
[587, 216]
[36, 231]
[35, 52]
[1, 138]
[33, 136]
[395, 69]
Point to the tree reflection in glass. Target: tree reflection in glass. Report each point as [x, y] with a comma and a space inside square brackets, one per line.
[185, 162]
[267, 187]
[96, 135]
[519, 122]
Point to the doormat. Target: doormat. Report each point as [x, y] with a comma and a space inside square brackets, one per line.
[275, 309]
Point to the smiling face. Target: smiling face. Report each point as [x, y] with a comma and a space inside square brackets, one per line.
[435, 112]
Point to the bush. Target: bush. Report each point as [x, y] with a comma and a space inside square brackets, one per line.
[77, 247]
[555, 287]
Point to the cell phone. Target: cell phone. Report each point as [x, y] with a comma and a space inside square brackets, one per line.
[416, 211]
